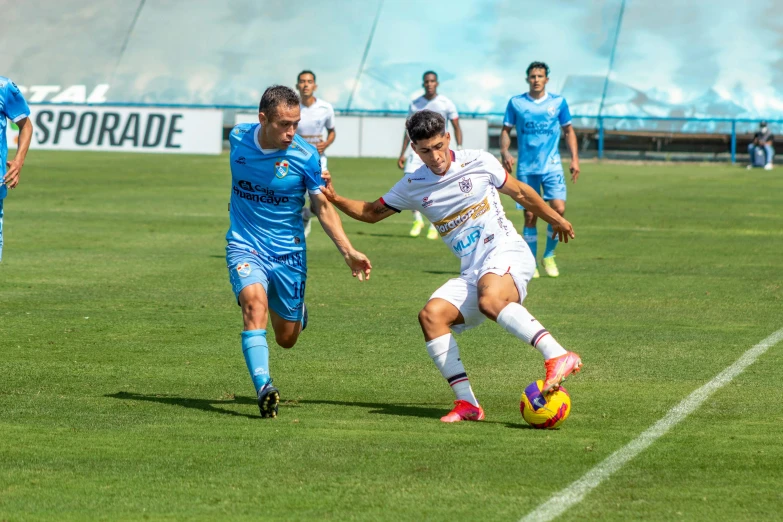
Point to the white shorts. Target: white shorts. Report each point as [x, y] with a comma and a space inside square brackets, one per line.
[515, 259]
[323, 162]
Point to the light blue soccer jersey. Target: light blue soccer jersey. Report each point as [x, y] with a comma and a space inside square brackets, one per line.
[268, 192]
[12, 107]
[538, 125]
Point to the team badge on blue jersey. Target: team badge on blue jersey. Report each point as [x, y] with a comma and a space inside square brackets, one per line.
[243, 269]
[551, 110]
[281, 169]
[465, 185]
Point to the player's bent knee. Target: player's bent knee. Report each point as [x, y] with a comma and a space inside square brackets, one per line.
[286, 341]
[431, 317]
[426, 317]
[491, 305]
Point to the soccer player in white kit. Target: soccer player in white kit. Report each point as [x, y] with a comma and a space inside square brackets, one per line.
[458, 192]
[316, 115]
[408, 160]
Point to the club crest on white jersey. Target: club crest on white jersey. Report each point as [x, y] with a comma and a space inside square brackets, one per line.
[463, 204]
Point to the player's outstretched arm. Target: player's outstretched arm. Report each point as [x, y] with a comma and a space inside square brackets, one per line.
[528, 198]
[358, 210]
[330, 220]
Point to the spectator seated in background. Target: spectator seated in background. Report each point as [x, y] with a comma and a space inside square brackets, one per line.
[761, 151]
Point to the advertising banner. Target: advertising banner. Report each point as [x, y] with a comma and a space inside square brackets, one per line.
[124, 129]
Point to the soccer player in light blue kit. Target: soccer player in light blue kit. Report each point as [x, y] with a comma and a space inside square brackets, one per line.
[271, 168]
[538, 117]
[12, 107]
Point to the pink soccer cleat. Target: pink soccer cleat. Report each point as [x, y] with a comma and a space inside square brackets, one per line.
[464, 411]
[558, 368]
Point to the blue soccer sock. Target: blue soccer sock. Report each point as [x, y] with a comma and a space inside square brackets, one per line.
[256, 354]
[550, 243]
[530, 235]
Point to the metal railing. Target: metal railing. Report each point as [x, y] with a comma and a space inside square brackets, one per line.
[601, 125]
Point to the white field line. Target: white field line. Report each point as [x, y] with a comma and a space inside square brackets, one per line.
[575, 492]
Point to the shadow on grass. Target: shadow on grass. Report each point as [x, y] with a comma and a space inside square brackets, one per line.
[207, 405]
[400, 410]
[213, 406]
[405, 410]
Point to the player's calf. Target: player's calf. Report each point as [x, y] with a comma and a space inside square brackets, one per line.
[288, 337]
[491, 305]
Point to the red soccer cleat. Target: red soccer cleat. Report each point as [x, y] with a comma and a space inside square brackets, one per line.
[558, 368]
[464, 411]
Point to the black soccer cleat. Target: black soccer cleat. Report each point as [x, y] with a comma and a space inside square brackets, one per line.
[268, 399]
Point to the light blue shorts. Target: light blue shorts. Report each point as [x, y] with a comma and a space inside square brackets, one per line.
[549, 186]
[283, 278]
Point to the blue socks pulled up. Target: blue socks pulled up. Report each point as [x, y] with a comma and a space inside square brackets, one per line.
[530, 235]
[256, 354]
[550, 243]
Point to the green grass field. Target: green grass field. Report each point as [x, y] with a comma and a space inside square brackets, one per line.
[124, 395]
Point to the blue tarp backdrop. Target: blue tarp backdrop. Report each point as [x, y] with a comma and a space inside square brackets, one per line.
[663, 58]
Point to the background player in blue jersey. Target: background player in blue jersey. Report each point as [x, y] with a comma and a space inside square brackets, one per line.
[271, 169]
[538, 117]
[12, 107]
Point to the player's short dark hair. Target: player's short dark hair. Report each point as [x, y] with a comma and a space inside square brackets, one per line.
[424, 125]
[423, 76]
[275, 96]
[306, 71]
[537, 65]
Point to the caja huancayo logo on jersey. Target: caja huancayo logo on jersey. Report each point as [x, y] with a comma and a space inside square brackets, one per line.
[258, 193]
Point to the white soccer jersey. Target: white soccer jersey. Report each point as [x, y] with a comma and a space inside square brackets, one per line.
[314, 119]
[463, 204]
[439, 104]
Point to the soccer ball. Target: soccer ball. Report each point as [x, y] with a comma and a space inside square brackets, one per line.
[544, 411]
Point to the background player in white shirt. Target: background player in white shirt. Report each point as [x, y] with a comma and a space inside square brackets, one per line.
[317, 115]
[408, 160]
[458, 192]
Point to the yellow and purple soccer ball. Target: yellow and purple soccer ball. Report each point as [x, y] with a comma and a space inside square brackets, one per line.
[544, 411]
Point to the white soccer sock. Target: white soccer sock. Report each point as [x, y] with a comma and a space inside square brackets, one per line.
[515, 319]
[445, 354]
[417, 216]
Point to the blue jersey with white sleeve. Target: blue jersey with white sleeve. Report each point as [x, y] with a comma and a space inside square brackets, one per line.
[268, 192]
[12, 107]
[538, 124]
